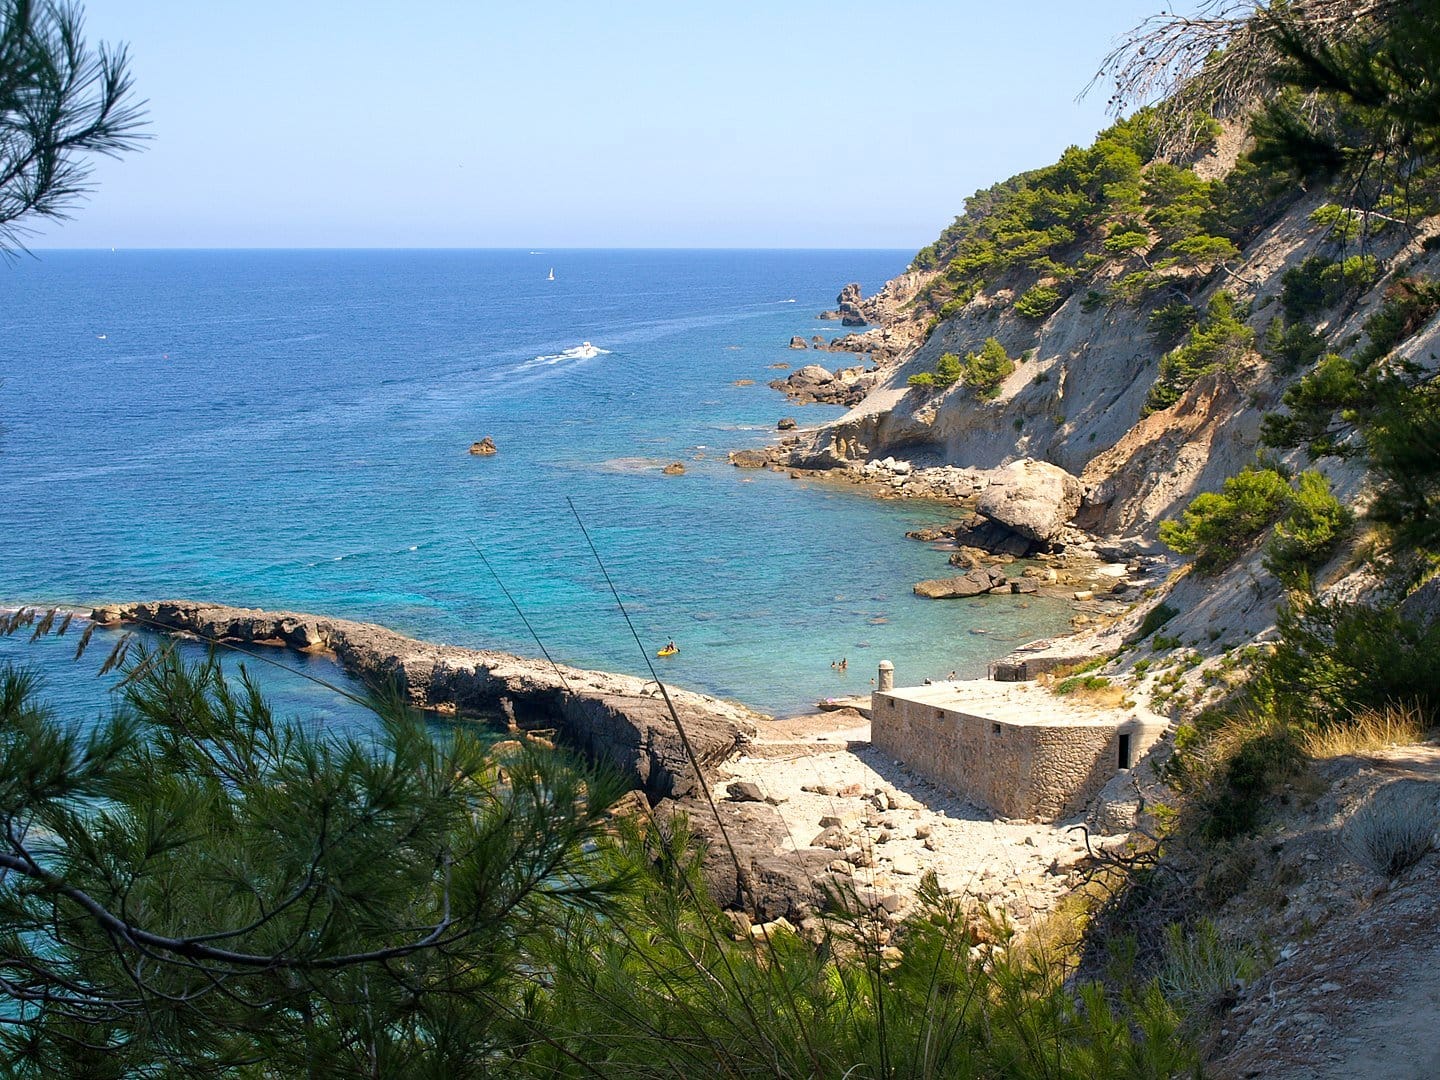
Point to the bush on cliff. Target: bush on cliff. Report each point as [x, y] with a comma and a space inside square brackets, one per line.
[948, 370]
[1038, 301]
[987, 369]
[1216, 525]
[1217, 341]
[1313, 526]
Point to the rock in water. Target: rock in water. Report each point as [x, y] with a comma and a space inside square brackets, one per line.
[484, 446]
[749, 459]
[977, 581]
[1032, 498]
[798, 342]
[675, 468]
[787, 423]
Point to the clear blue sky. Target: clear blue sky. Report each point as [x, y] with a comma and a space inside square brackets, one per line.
[647, 124]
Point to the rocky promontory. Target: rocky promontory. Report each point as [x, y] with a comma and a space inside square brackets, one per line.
[617, 719]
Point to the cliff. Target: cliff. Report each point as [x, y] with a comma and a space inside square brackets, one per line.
[1101, 325]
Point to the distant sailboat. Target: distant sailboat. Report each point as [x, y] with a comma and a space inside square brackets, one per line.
[552, 274]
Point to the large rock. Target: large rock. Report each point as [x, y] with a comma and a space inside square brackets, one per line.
[973, 583]
[798, 342]
[749, 459]
[814, 383]
[1032, 498]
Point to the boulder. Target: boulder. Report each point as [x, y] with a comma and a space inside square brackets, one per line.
[745, 791]
[798, 342]
[483, 447]
[787, 423]
[977, 581]
[990, 537]
[749, 459]
[814, 383]
[675, 468]
[813, 373]
[817, 342]
[1032, 498]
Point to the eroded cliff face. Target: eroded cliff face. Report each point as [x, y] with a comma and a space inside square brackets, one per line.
[1077, 397]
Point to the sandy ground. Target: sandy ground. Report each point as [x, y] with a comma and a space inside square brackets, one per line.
[822, 767]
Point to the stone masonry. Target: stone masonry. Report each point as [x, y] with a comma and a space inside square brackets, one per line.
[1016, 749]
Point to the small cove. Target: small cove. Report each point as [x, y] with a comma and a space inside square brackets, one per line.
[288, 430]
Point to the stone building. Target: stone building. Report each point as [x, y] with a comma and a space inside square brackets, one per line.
[1015, 748]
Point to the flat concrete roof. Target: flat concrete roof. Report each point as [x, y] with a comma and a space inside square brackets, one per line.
[1024, 704]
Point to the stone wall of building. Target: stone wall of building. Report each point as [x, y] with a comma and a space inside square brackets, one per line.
[1021, 770]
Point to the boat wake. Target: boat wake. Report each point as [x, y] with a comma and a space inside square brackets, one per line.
[583, 351]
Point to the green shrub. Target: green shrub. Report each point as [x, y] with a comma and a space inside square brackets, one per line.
[946, 374]
[1409, 304]
[1342, 222]
[1171, 322]
[1038, 301]
[986, 370]
[1334, 385]
[1335, 660]
[1155, 618]
[1203, 970]
[1266, 754]
[1310, 531]
[1201, 252]
[1293, 346]
[1081, 682]
[1128, 242]
[1318, 283]
[1216, 525]
[1220, 339]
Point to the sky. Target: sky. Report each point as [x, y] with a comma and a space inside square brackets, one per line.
[446, 123]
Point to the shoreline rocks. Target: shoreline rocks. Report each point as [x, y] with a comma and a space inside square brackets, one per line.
[814, 383]
[612, 719]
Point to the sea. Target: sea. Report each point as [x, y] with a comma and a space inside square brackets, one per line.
[290, 429]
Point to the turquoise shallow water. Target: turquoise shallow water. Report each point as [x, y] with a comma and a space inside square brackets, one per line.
[289, 429]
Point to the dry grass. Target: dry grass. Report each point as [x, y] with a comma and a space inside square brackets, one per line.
[1372, 730]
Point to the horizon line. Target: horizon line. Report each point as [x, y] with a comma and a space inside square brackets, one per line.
[35, 248]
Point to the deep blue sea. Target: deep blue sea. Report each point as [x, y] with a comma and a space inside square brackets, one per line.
[289, 429]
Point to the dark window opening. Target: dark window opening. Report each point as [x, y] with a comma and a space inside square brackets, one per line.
[1125, 750]
[994, 729]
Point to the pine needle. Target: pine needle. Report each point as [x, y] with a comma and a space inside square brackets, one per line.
[64, 624]
[117, 654]
[43, 626]
[84, 640]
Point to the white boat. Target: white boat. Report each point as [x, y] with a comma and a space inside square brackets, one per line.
[552, 274]
[585, 351]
